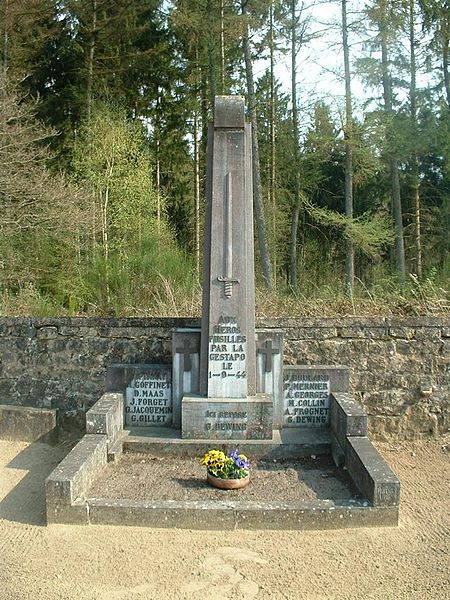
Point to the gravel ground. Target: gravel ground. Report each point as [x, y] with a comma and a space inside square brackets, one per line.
[143, 477]
[63, 562]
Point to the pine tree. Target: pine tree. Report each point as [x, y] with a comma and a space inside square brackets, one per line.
[437, 21]
[256, 167]
[348, 131]
[386, 19]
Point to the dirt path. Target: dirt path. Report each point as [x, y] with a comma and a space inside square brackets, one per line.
[113, 563]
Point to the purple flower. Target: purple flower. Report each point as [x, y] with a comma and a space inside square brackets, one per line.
[238, 461]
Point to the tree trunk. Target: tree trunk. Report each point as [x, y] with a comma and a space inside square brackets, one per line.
[211, 58]
[296, 206]
[414, 158]
[197, 194]
[272, 160]
[158, 181]
[105, 241]
[392, 160]
[445, 63]
[204, 108]
[91, 56]
[157, 134]
[350, 254]
[257, 195]
[293, 245]
[222, 49]
[398, 220]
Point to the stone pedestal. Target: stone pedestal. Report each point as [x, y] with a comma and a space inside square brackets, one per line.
[147, 393]
[306, 393]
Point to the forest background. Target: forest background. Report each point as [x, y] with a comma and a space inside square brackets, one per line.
[104, 107]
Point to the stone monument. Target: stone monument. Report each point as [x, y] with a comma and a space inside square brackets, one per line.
[228, 405]
[238, 389]
[227, 380]
[226, 387]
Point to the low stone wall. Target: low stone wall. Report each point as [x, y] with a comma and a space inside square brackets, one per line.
[399, 367]
[27, 423]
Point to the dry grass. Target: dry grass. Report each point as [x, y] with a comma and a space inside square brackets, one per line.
[161, 298]
[273, 305]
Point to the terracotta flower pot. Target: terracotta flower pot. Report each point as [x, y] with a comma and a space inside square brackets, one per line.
[227, 484]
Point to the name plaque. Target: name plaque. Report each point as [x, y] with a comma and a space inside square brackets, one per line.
[148, 399]
[306, 398]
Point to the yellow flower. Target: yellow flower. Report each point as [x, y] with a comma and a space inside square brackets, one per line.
[213, 458]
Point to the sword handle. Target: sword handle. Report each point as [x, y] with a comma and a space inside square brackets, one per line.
[227, 285]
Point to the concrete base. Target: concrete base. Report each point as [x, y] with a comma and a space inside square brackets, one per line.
[320, 514]
[67, 485]
[68, 499]
[351, 447]
[67, 488]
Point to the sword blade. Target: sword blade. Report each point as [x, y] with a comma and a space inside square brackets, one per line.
[228, 245]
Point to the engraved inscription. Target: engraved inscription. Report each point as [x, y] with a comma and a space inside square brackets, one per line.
[226, 420]
[306, 399]
[148, 400]
[227, 356]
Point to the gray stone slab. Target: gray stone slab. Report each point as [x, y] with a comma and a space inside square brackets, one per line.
[27, 423]
[227, 362]
[229, 112]
[337, 451]
[185, 368]
[306, 393]
[222, 418]
[218, 515]
[115, 450]
[370, 473]
[73, 514]
[321, 514]
[76, 472]
[347, 417]
[269, 369]
[285, 444]
[106, 416]
[165, 514]
[119, 375]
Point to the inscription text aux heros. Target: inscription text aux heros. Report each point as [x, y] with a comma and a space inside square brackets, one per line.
[227, 347]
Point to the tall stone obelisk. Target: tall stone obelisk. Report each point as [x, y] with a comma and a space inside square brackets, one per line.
[227, 406]
[227, 359]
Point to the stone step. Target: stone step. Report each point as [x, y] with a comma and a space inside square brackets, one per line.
[285, 443]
